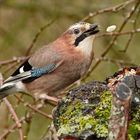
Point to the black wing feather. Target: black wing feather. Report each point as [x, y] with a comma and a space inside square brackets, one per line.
[26, 67]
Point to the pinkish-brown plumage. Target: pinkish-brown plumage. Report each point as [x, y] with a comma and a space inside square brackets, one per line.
[74, 65]
[55, 66]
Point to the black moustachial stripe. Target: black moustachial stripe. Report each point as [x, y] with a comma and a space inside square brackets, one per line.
[93, 30]
[79, 39]
[26, 67]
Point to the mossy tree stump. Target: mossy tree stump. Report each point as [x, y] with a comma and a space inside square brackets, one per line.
[87, 112]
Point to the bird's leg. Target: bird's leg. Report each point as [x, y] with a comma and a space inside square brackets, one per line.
[49, 98]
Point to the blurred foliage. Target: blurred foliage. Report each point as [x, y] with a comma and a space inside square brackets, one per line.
[21, 20]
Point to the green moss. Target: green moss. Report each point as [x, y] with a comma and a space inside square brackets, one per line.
[103, 109]
[74, 120]
[102, 113]
[84, 114]
[133, 130]
[134, 126]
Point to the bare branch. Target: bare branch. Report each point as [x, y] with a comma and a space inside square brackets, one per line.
[37, 35]
[110, 9]
[109, 46]
[15, 117]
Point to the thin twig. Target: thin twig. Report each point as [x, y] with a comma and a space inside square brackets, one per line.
[8, 131]
[13, 60]
[15, 117]
[128, 43]
[132, 34]
[129, 15]
[37, 35]
[118, 33]
[34, 109]
[110, 9]
[115, 61]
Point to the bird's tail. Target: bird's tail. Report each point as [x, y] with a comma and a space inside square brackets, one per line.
[14, 84]
[6, 89]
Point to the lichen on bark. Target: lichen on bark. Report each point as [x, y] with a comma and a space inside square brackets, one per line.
[84, 112]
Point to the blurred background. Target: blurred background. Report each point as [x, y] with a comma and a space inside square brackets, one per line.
[26, 25]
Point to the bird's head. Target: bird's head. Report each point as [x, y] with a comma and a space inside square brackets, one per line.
[81, 35]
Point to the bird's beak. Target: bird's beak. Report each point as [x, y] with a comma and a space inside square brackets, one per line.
[92, 30]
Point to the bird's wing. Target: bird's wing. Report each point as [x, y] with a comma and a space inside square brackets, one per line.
[42, 62]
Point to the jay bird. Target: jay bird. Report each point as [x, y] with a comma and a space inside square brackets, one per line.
[54, 66]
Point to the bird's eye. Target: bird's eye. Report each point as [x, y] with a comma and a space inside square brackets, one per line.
[76, 31]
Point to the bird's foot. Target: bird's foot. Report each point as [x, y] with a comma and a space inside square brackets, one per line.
[48, 98]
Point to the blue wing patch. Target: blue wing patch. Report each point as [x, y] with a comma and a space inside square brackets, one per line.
[37, 72]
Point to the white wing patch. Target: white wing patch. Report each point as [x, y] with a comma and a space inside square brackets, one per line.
[21, 70]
